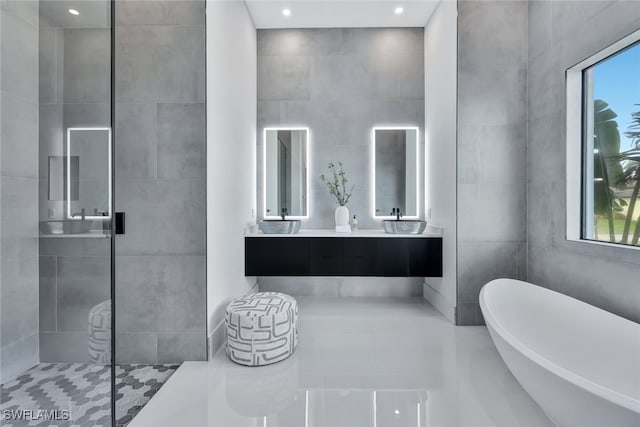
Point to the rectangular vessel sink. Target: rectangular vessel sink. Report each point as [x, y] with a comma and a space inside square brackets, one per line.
[278, 226]
[404, 226]
[65, 227]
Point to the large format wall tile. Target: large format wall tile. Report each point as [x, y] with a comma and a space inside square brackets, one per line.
[19, 50]
[299, 42]
[47, 294]
[136, 150]
[87, 65]
[492, 148]
[160, 63]
[51, 140]
[181, 141]
[64, 347]
[83, 282]
[19, 127]
[19, 302]
[18, 186]
[140, 347]
[162, 294]
[27, 10]
[18, 356]
[47, 66]
[160, 178]
[142, 12]
[163, 217]
[604, 276]
[87, 115]
[175, 347]
[19, 218]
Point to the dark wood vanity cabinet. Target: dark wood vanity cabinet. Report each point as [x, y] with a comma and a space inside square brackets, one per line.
[343, 256]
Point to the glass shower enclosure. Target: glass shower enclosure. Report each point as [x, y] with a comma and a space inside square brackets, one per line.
[56, 213]
[100, 111]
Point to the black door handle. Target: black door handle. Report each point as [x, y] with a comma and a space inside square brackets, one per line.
[119, 222]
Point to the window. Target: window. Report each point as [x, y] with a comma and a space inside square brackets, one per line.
[604, 126]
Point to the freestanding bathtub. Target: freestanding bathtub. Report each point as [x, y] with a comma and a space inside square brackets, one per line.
[580, 363]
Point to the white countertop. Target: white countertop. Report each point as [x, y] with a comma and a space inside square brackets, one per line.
[431, 231]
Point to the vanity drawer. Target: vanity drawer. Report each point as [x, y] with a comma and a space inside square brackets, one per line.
[281, 256]
[343, 256]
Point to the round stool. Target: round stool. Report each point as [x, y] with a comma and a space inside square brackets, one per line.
[100, 333]
[262, 328]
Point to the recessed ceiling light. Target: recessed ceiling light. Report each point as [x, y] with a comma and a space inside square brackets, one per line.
[396, 412]
[398, 10]
[286, 12]
[74, 12]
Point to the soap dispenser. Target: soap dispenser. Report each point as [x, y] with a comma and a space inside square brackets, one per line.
[354, 223]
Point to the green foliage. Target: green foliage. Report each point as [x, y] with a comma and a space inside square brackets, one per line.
[607, 141]
[615, 170]
[634, 130]
[337, 185]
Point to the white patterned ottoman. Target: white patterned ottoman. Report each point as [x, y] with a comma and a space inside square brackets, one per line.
[100, 333]
[262, 328]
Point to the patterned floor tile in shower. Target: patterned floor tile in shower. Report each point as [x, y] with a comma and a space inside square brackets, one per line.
[78, 395]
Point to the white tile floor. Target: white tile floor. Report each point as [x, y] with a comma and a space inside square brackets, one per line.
[360, 362]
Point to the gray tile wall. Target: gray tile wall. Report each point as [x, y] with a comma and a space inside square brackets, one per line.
[340, 82]
[343, 286]
[492, 150]
[160, 181]
[75, 84]
[561, 34]
[18, 187]
[75, 275]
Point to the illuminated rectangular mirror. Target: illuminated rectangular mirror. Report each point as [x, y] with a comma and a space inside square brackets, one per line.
[88, 173]
[286, 162]
[395, 171]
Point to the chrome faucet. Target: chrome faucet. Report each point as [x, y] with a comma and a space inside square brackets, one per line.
[283, 213]
[82, 213]
[397, 213]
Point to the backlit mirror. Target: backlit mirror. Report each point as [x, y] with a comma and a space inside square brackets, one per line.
[286, 163]
[395, 172]
[88, 173]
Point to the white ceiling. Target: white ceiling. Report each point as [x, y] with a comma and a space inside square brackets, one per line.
[340, 14]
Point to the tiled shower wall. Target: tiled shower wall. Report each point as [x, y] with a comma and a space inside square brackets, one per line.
[160, 181]
[75, 276]
[341, 82]
[561, 34]
[492, 144]
[19, 186]
[75, 82]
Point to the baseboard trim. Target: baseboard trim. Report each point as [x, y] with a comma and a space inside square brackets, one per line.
[436, 299]
[216, 339]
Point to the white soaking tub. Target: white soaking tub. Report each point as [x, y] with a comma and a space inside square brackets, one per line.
[580, 363]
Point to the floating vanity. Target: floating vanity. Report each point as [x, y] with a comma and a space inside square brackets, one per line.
[367, 253]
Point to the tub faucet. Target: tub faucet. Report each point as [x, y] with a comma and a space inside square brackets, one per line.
[397, 213]
[283, 213]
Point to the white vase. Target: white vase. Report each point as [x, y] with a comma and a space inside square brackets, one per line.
[342, 220]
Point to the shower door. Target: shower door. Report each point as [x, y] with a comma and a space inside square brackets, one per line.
[56, 212]
[159, 186]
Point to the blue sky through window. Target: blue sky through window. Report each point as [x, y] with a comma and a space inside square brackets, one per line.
[617, 82]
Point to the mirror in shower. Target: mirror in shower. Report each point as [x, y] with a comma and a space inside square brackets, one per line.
[395, 172]
[286, 163]
[88, 173]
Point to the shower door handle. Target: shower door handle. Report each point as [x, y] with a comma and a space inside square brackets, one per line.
[119, 223]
